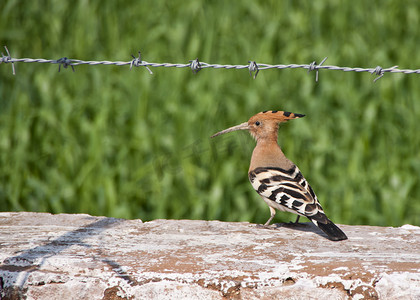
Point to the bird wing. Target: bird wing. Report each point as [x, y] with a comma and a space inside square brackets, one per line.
[288, 188]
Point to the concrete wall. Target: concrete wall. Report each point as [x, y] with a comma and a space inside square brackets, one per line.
[46, 256]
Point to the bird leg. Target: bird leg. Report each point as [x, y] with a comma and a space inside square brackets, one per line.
[266, 225]
[295, 223]
[273, 213]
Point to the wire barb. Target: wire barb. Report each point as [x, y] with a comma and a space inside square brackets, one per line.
[195, 66]
[312, 66]
[253, 67]
[137, 62]
[65, 62]
[380, 72]
[6, 59]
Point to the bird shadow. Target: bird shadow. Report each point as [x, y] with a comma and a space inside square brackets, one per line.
[303, 227]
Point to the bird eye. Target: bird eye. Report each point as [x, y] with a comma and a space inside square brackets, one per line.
[257, 123]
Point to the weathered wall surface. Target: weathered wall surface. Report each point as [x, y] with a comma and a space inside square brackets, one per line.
[46, 256]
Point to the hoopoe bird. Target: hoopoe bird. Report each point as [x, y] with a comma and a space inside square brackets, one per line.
[278, 180]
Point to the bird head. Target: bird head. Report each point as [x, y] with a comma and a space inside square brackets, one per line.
[264, 124]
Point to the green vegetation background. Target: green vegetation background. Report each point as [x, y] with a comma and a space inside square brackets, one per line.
[109, 141]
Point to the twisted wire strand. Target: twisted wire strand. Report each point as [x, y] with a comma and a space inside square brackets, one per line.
[196, 65]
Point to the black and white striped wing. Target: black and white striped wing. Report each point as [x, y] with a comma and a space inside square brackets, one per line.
[287, 188]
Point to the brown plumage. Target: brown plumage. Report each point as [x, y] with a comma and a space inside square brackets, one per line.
[278, 180]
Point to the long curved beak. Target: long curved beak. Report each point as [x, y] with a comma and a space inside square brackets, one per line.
[243, 126]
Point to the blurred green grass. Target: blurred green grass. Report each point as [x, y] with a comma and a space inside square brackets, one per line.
[108, 141]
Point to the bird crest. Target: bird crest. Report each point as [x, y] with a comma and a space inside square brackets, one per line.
[277, 115]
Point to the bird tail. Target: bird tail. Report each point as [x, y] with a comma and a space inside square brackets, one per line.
[334, 233]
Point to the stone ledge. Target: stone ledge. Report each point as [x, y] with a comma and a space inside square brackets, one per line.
[45, 256]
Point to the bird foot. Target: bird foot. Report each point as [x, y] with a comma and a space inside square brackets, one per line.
[265, 226]
[293, 224]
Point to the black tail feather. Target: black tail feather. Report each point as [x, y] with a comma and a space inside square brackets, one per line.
[334, 233]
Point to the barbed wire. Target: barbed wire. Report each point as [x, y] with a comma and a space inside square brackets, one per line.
[196, 65]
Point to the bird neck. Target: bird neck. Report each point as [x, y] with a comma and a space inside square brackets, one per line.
[267, 153]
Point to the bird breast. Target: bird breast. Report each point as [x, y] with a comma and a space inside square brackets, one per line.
[269, 155]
